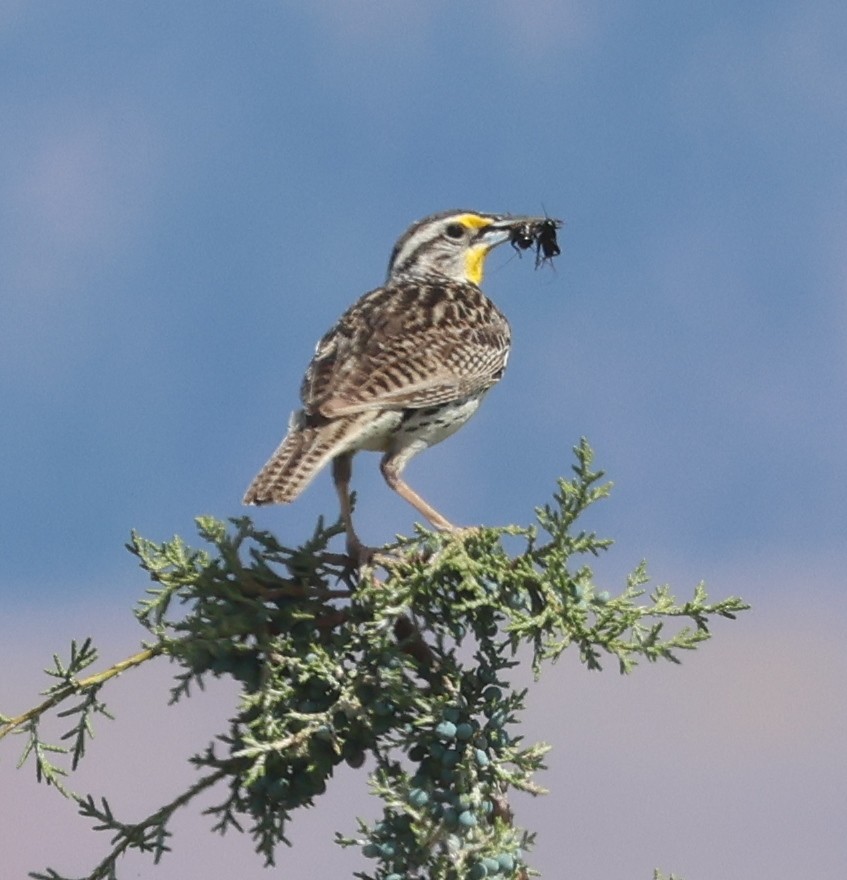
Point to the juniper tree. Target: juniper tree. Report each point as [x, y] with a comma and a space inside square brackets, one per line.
[405, 662]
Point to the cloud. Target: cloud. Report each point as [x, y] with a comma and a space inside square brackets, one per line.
[540, 31]
[79, 193]
[547, 30]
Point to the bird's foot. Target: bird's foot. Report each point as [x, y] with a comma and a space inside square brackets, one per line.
[463, 532]
[360, 555]
[424, 551]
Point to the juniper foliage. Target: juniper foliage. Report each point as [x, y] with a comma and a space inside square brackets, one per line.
[405, 662]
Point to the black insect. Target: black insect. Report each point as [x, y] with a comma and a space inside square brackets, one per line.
[542, 234]
[546, 244]
[522, 237]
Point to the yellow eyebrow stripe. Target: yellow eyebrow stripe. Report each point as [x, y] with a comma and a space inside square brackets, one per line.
[473, 221]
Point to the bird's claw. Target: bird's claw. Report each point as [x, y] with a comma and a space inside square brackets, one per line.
[361, 556]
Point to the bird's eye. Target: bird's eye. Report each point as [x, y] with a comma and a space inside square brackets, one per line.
[455, 230]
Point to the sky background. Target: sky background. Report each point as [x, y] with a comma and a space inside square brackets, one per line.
[191, 193]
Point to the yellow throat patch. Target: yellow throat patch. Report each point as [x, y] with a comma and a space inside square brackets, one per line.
[475, 263]
[475, 259]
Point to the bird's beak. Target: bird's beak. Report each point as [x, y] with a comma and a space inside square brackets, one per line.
[521, 230]
[500, 230]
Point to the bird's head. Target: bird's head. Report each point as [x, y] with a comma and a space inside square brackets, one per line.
[454, 244]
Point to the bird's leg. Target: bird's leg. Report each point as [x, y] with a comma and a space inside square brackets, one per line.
[342, 470]
[391, 467]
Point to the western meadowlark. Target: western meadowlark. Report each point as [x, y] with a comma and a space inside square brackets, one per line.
[407, 365]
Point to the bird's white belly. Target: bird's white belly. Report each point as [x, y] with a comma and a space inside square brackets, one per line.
[393, 430]
[430, 426]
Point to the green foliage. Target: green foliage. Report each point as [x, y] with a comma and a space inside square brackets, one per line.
[88, 706]
[406, 663]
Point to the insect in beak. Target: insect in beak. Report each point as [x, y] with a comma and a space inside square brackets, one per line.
[542, 234]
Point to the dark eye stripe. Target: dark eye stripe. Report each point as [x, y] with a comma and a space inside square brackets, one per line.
[412, 258]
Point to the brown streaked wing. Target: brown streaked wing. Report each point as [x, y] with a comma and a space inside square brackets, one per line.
[408, 345]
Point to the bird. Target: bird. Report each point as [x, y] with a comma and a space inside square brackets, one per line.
[405, 366]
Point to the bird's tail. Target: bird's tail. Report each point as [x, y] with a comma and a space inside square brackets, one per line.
[303, 452]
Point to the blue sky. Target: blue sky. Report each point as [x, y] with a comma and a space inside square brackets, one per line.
[191, 193]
